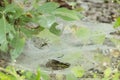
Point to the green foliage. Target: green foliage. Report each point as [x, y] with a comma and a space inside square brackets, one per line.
[47, 34]
[48, 8]
[116, 76]
[38, 74]
[66, 14]
[47, 21]
[7, 31]
[54, 30]
[10, 73]
[13, 20]
[117, 23]
[6, 77]
[78, 71]
[107, 72]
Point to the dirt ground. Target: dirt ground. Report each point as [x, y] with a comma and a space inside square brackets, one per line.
[99, 16]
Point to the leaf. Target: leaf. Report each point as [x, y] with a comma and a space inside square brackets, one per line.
[4, 46]
[54, 30]
[117, 23]
[11, 69]
[9, 73]
[38, 75]
[48, 7]
[10, 8]
[15, 9]
[4, 76]
[78, 71]
[30, 32]
[28, 75]
[46, 21]
[18, 45]
[46, 34]
[107, 72]
[116, 76]
[5, 28]
[3, 31]
[66, 14]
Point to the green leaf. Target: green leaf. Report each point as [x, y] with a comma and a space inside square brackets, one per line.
[9, 73]
[10, 8]
[117, 23]
[116, 76]
[107, 72]
[46, 34]
[18, 45]
[78, 71]
[66, 14]
[3, 31]
[16, 10]
[4, 76]
[5, 28]
[11, 69]
[48, 8]
[38, 75]
[47, 21]
[54, 30]
[28, 75]
[4, 46]
[30, 32]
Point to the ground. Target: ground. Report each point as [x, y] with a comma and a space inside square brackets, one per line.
[68, 49]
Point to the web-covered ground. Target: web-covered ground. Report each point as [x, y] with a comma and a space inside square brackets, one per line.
[75, 50]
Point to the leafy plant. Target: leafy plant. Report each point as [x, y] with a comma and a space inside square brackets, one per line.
[78, 71]
[13, 23]
[10, 73]
[117, 23]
